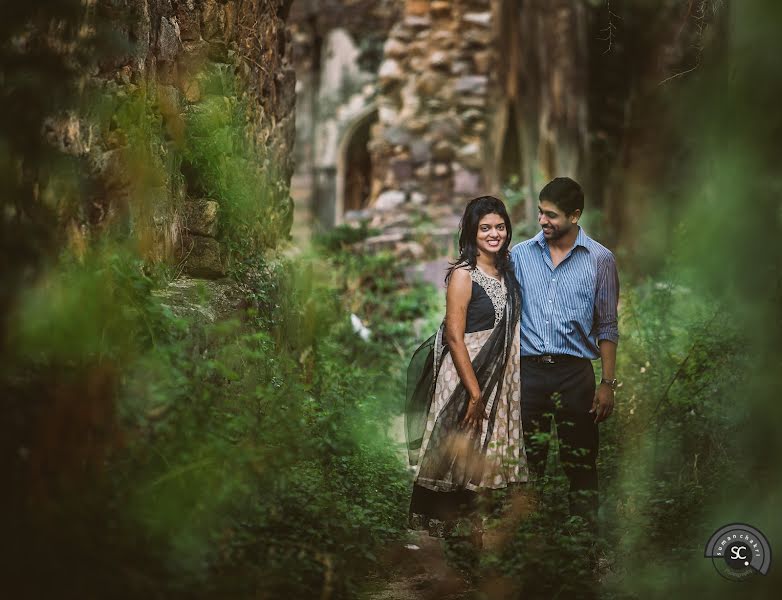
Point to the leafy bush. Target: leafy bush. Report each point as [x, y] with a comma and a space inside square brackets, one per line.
[222, 163]
[152, 452]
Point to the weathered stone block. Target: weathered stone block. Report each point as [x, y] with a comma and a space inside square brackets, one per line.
[389, 200]
[428, 83]
[424, 171]
[401, 168]
[393, 48]
[208, 301]
[410, 250]
[466, 182]
[420, 151]
[168, 100]
[471, 115]
[416, 125]
[193, 58]
[442, 38]
[416, 22]
[417, 7]
[443, 150]
[441, 170]
[417, 64]
[203, 257]
[189, 21]
[438, 59]
[446, 127]
[390, 71]
[440, 8]
[470, 101]
[201, 217]
[478, 37]
[286, 91]
[483, 60]
[168, 41]
[478, 18]
[473, 84]
[418, 198]
[213, 19]
[400, 32]
[386, 241]
[396, 136]
[470, 155]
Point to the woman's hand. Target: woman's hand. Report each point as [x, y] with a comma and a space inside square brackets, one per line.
[476, 413]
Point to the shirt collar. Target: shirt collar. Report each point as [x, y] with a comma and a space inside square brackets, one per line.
[582, 239]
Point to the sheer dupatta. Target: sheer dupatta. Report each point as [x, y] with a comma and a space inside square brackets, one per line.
[463, 460]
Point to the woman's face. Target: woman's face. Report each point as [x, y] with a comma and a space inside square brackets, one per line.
[491, 234]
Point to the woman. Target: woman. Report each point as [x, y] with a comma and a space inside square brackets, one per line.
[463, 414]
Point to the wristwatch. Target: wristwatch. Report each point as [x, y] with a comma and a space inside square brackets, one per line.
[610, 382]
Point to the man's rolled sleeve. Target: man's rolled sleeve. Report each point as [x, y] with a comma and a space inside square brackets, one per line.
[607, 300]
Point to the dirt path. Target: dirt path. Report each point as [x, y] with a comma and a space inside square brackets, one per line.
[417, 570]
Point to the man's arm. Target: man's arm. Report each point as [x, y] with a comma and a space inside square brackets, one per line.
[515, 261]
[606, 303]
[603, 403]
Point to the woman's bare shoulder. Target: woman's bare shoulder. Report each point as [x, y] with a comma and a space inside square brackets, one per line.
[461, 279]
[462, 267]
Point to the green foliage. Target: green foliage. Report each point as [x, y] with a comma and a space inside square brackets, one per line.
[550, 553]
[181, 457]
[256, 459]
[222, 163]
[82, 310]
[340, 238]
[665, 454]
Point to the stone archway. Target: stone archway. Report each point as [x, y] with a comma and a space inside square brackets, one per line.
[354, 165]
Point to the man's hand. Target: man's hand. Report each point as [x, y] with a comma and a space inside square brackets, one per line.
[603, 403]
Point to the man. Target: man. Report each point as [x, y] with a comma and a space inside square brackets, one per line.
[569, 290]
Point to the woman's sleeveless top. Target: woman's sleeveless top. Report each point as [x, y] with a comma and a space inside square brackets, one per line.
[487, 303]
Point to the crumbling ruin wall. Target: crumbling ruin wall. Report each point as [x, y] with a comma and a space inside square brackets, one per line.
[170, 45]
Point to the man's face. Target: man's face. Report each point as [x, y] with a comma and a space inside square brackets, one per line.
[554, 222]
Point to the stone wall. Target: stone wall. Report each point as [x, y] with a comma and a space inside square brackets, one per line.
[433, 99]
[476, 94]
[437, 102]
[337, 48]
[434, 108]
[170, 44]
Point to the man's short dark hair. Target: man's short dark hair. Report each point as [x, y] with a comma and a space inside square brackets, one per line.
[565, 193]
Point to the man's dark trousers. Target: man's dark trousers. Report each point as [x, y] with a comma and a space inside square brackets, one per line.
[566, 390]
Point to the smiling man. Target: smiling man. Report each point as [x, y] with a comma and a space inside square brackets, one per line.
[569, 291]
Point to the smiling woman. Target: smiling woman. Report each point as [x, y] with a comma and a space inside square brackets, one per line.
[463, 413]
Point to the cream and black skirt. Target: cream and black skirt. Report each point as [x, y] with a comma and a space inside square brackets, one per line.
[455, 465]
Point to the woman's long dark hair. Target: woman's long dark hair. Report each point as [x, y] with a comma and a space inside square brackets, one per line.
[475, 210]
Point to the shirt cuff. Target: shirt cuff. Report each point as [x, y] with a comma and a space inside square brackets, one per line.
[608, 332]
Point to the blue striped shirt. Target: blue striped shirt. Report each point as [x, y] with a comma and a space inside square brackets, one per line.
[567, 309]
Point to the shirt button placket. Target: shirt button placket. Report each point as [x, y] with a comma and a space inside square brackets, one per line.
[549, 312]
